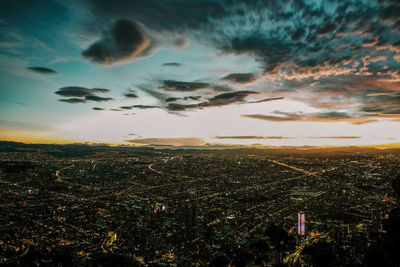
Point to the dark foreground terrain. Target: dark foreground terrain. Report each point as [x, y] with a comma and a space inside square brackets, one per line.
[121, 206]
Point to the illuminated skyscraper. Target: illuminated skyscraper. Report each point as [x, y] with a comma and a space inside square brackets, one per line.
[301, 223]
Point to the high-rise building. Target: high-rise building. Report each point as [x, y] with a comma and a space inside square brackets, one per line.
[301, 223]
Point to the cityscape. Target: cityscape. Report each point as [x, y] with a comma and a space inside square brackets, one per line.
[191, 133]
[82, 205]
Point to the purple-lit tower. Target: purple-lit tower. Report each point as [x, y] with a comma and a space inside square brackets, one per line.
[301, 224]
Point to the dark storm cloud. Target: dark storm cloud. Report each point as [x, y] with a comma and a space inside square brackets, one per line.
[125, 41]
[276, 33]
[172, 64]
[328, 54]
[98, 98]
[73, 100]
[174, 16]
[42, 70]
[285, 35]
[240, 77]
[170, 85]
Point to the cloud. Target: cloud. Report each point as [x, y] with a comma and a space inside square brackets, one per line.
[172, 64]
[98, 98]
[218, 100]
[137, 106]
[253, 137]
[124, 42]
[345, 92]
[269, 117]
[12, 101]
[130, 95]
[144, 106]
[42, 70]
[335, 137]
[76, 91]
[173, 99]
[327, 54]
[267, 99]
[289, 38]
[101, 90]
[180, 107]
[126, 107]
[157, 95]
[227, 98]
[169, 141]
[171, 85]
[221, 88]
[240, 78]
[385, 111]
[332, 116]
[191, 97]
[73, 100]
[285, 137]
[82, 94]
[96, 108]
[223, 99]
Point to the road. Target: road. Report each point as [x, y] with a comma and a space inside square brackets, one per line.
[154, 170]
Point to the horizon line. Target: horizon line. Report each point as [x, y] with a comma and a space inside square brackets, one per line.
[214, 145]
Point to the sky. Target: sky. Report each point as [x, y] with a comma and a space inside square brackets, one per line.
[179, 72]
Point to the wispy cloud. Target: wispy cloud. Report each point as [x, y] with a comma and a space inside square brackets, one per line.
[169, 141]
[11, 101]
[313, 117]
[286, 137]
[79, 94]
[42, 70]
